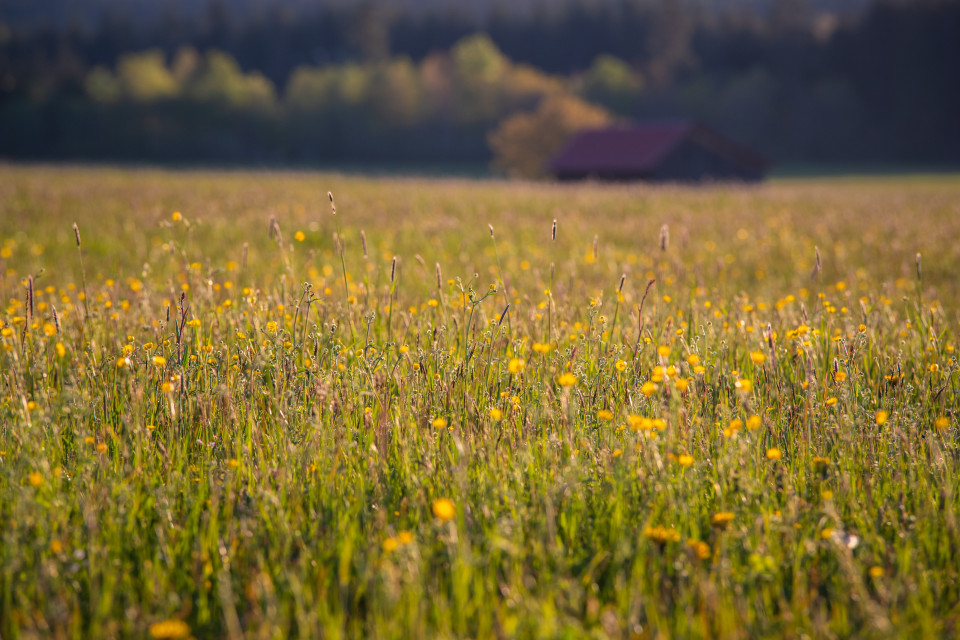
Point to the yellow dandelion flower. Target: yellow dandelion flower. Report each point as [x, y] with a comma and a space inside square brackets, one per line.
[170, 630]
[743, 385]
[758, 357]
[693, 359]
[495, 413]
[663, 351]
[390, 544]
[774, 454]
[685, 460]
[661, 535]
[649, 388]
[567, 380]
[35, 479]
[444, 509]
[159, 361]
[702, 549]
[753, 422]
[620, 365]
[831, 401]
[881, 417]
[404, 537]
[942, 422]
[516, 365]
[439, 423]
[876, 572]
[605, 415]
[721, 519]
[540, 347]
[299, 236]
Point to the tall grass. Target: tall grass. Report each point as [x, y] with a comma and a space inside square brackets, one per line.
[233, 435]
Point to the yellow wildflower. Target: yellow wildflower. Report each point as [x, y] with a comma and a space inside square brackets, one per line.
[170, 629]
[444, 509]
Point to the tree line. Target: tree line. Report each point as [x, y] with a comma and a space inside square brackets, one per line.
[361, 83]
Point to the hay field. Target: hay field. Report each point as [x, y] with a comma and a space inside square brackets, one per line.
[466, 409]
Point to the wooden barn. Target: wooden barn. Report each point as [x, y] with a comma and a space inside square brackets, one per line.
[680, 151]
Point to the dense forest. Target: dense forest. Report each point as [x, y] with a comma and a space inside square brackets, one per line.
[373, 82]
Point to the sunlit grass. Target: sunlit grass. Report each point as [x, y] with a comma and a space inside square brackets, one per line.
[430, 415]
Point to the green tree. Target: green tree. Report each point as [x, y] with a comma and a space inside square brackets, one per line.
[478, 67]
[611, 82]
[144, 77]
[220, 79]
[395, 92]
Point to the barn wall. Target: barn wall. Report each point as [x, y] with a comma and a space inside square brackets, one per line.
[691, 161]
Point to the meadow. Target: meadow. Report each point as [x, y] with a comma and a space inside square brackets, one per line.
[234, 406]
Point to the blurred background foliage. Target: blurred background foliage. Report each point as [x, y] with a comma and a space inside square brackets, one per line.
[381, 82]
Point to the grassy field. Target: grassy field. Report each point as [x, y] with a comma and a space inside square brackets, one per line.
[463, 409]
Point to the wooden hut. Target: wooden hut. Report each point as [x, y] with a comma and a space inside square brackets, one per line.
[682, 151]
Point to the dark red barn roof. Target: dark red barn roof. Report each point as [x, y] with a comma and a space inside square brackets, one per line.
[667, 150]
